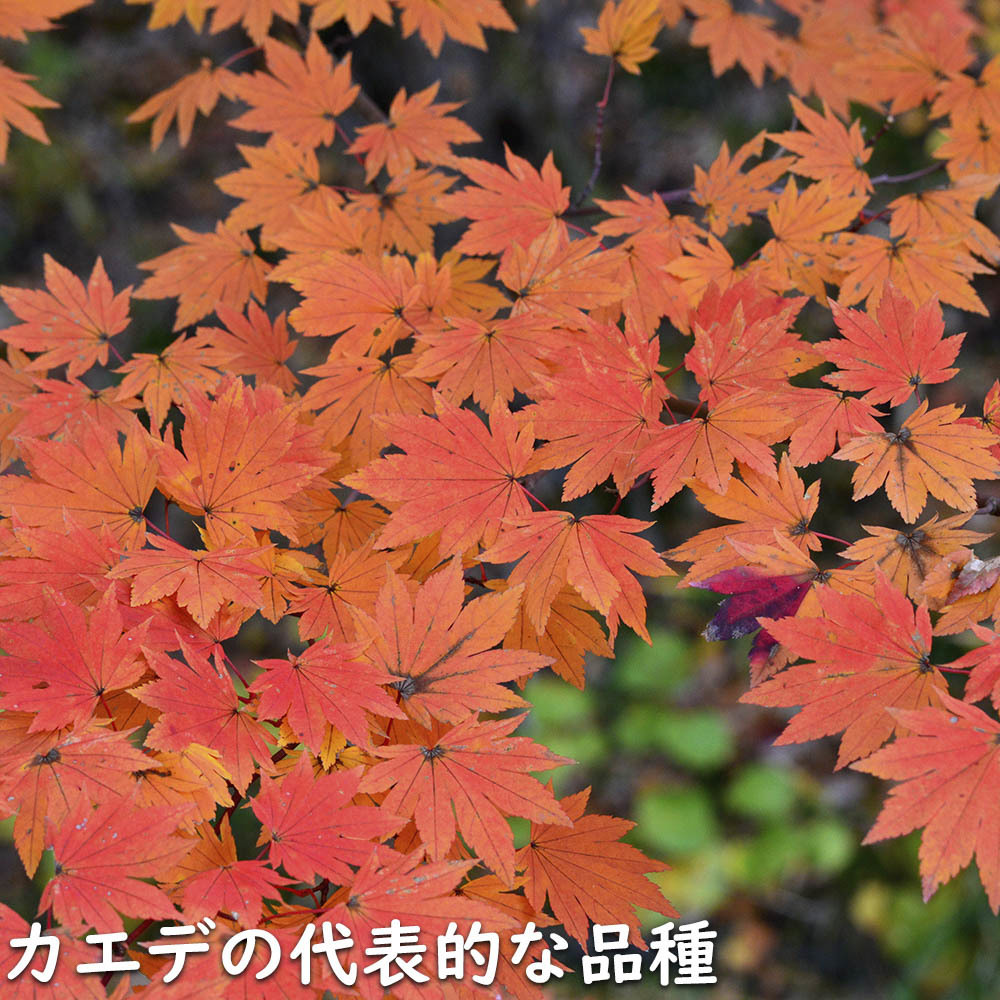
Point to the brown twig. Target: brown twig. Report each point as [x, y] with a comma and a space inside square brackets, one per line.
[602, 105]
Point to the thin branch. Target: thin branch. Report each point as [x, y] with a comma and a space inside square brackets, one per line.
[677, 194]
[602, 105]
[684, 194]
[912, 176]
[886, 125]
[988, 505]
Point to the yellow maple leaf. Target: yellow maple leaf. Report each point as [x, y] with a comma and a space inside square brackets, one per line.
[625, 31]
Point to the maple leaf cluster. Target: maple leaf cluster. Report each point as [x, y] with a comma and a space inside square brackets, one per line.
[385, 500]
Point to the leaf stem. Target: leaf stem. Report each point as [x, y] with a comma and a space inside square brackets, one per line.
[248, 51]
[531, 496]
[831, 538]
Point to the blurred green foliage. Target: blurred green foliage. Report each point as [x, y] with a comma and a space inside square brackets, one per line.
[763, 841]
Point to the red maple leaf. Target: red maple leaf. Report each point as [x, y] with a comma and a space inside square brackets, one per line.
[199, 704]
[868, 656]
[311, 827]
[68, 324]
[468, 776]
[893, 352]
[62, 665]
[948, 768]
[440, 653]
[326, 684]
[101, 857]
[587, 874]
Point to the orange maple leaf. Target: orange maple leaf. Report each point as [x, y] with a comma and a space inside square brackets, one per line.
[298, 98]
[920, 268]
[244, 455]
[69, 324]
[359, 299]
[559, 277]
[742, 426]
[983, 662]
[212, 878]
[210, 268]
[907, 556]
[63, 664]
[946, 212]
[827, 150]
[440, 653]
[462, 20]
[255, 15]
[354, 394]
[170, 376]
[90, 475]
[759, 506]
[596, 421]
[931, 453]
[405, 213]
[456, 476]
[199, 703]
[728, 194]
[869, 655]
[893, 354]
[733, 38]
[16, 96]
[948, 770]
[467, 776]
[588, 875]
[570, 632]
[357, 13]
[593, 554]
[743, 340]
[824, 421]
[58, 406]
[201, 580]
[253, 345]
[971, 144]
[326, 684]
[701, 265]
[20, 16]
[311, 827]
[416, 129]
[908, 67]
[197, 91]
[42, 770]
[518, 203]
[484, 359]
[408, 888]
[800, 256]
[354, 577]
[101, 856]
[280, 180]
